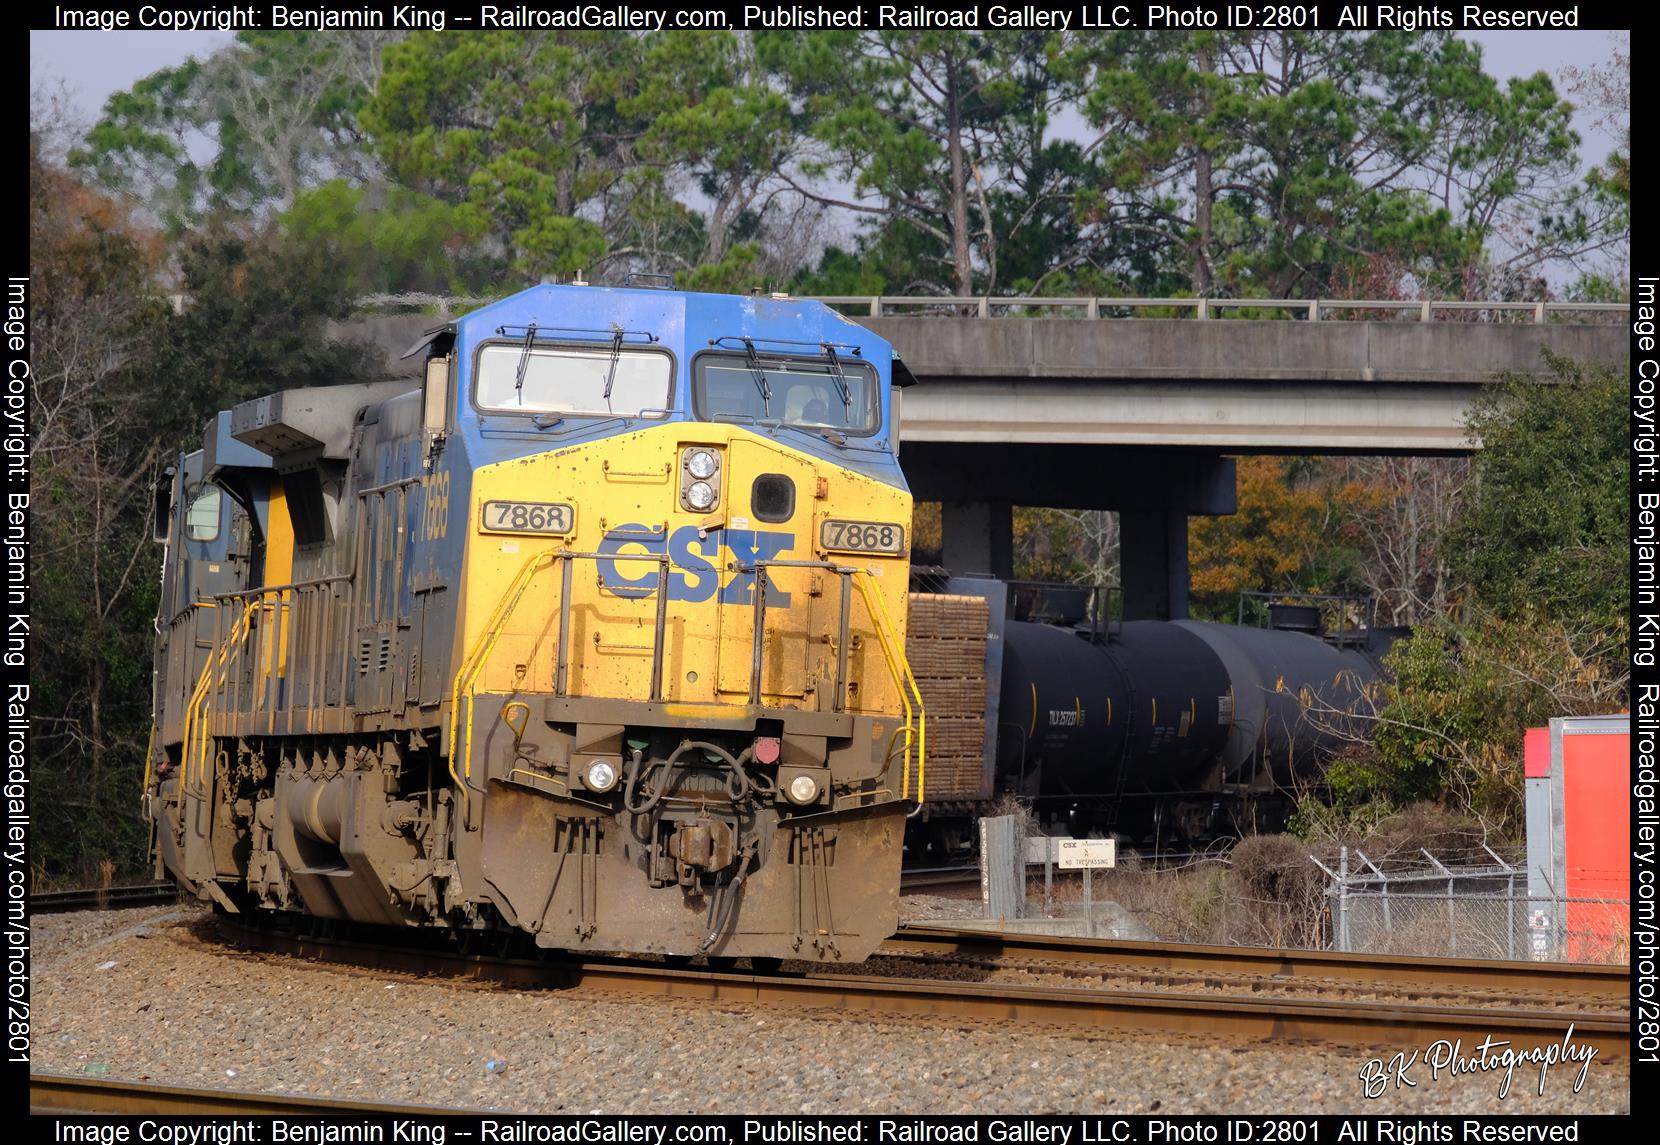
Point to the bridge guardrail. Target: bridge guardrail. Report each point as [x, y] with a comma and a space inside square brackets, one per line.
[989, 306]
[1311, 309]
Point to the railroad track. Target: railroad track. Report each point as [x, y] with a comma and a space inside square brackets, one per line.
[51, 1093]
[144, 894]
[922, 878]
[1239, 1012]
[1591, 983]
[103, 898]
[913, 879]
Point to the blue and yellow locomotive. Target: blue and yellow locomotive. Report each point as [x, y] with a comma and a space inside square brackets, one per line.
[596, 632]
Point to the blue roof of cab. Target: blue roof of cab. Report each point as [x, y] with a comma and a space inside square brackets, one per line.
[684, 324]
[670, 314]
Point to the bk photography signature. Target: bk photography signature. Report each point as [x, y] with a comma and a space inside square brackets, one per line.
[1451, 1058]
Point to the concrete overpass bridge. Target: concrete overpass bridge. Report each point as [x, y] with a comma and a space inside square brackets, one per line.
[994, 372]
[1112, 410]
[1136, 405]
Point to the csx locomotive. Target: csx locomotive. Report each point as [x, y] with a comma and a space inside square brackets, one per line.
[595, 632]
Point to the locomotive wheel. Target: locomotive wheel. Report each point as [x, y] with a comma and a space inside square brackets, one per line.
[945, 838]
[766, 965]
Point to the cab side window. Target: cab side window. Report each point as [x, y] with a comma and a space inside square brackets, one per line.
[201, 517]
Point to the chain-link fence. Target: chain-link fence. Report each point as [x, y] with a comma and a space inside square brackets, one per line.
[1468, 911]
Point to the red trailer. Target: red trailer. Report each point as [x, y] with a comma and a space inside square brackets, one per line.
[1579, 838]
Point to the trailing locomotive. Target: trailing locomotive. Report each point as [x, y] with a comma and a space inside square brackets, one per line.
[596, 633]
[1165, 731]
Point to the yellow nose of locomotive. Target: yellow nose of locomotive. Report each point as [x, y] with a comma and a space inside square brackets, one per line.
[679, 524]
[683, 666]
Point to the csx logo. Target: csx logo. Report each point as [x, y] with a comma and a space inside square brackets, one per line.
[696, 564]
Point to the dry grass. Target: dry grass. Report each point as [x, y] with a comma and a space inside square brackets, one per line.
[1264, 900]
[1267, 891]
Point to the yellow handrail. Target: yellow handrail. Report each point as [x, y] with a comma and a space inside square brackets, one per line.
[228, 659]
[475, 662]
[461, 736]
[195, 710]
[900, 669]
[149, 751]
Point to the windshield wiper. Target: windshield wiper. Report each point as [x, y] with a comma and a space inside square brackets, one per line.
[833, 436]
[524, 363]
[841, 380]
[761, 382]
[611, 370]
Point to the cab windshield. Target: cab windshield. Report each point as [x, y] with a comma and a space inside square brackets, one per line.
[804, 392]
[572, 380]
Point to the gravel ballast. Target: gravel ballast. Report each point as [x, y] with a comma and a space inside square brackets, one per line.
[153, 994]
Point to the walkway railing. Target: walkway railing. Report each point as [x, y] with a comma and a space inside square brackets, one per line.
[1295, 309]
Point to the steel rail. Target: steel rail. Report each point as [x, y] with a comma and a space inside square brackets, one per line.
[1520, 979]
[102, 898]
[910, 881]
[51, 1093]
[1254, 1017]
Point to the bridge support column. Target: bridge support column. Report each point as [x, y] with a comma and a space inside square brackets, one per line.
[978, 537]
[1153, 563]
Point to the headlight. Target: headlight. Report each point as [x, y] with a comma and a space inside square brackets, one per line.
[601, 776]
[803, 790]
[700, 496]
[702, 464]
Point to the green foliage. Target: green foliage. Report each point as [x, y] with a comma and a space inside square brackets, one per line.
[841, 272]
[526, 127]
[1542, 542]
[392, 241]
[270, 110]
[910, 119]
[122, 381]
[1281, 164]
[1246, 163]
[255, 324]
[1456, 707]
[1546, 529]
[144, 138]
[711, 112]
[736, 273]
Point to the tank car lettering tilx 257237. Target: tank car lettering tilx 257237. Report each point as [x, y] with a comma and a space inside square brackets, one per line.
[596, 631]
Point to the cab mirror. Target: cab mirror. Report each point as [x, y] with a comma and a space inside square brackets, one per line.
[436, 402]
[163, 511]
